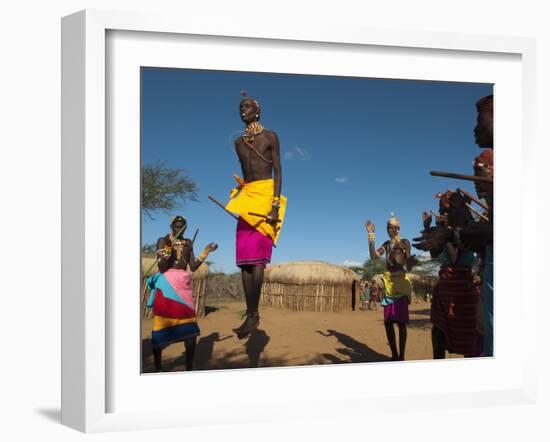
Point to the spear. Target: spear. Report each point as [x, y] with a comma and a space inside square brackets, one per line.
[483, 217]
[225, 210]
[474, 199]
[195, 236]
[459, 176]
[157, 260]
[263, 216]
[222, 206]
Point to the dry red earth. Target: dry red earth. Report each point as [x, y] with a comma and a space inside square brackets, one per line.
[287, 338]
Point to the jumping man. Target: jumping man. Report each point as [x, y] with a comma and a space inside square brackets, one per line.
[260, 206]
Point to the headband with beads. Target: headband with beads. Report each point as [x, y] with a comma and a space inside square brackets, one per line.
[394, 221]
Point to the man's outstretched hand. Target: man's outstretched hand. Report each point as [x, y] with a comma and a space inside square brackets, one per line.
[212, 247]
[434, 238]
[426, 220]
[369, 226]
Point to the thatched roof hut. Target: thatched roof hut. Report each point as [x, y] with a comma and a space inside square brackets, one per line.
[198, 280]
[422, 284]
[309, 285]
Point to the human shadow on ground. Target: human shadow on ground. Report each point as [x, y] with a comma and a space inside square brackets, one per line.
[168, 363]
[210, 309]
[353, 350]
[249, 355]
[147, 363]
[423, 312]
[255, 346]
[205, 349]
[423, 322]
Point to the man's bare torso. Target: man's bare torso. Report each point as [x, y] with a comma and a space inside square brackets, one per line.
[253, 167]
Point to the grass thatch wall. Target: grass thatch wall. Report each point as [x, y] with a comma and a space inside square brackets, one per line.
[309, 285]
[198, 282]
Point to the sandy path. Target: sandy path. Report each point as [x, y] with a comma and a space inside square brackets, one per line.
[293, 338]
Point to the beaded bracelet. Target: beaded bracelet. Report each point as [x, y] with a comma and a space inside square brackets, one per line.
[204, 255]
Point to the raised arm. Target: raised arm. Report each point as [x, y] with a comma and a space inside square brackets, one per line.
[195, 263]
[372, 248]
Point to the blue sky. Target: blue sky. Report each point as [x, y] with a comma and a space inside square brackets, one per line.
[352, 149]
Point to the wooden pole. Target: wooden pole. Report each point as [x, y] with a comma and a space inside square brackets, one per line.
[263, 216]
[195, 236]
[222, 206]
[483, 217]
[474, 199]
[459, 176]
[143, 298]
[157, 260]
[225, 210]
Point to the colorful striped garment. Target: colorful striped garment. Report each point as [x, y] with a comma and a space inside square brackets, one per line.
[171, 299]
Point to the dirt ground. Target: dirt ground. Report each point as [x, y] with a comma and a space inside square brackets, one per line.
[288, 338]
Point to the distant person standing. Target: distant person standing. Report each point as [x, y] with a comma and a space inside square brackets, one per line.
[397, 287]
[364, 298]
[374, 291]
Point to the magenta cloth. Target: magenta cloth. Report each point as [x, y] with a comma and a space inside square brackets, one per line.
[397, 311]
[253, 248]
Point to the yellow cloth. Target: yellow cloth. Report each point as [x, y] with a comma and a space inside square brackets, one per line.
[397, 285]
[160, 322]
[256, 197]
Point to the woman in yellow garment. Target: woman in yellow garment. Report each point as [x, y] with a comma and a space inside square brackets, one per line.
[397, 287]
[261, 208]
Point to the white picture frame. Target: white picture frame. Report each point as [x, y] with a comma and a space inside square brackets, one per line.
[87, 232]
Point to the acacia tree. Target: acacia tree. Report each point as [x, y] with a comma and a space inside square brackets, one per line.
[373, 267]
[165, 189]
[148, 248]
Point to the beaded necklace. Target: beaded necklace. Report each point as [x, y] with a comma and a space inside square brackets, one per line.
[253, 129]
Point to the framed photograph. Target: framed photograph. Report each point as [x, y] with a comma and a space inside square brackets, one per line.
[360, 118]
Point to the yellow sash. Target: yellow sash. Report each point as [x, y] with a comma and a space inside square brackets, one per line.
[256, 197]
[397, 284]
